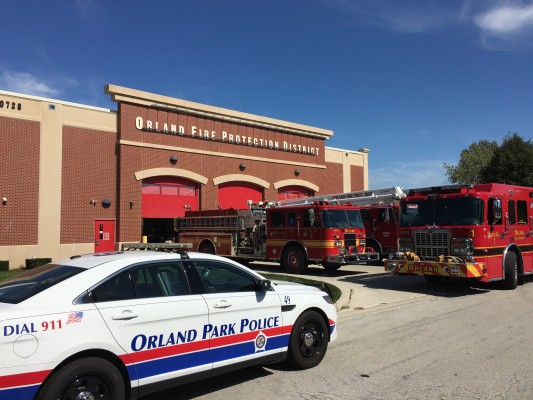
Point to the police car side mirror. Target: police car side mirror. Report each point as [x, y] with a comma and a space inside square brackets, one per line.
[264, 285]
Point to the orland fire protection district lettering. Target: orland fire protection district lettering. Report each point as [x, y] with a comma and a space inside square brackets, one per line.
[223, 136]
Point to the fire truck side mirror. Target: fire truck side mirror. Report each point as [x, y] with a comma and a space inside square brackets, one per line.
[496, 206]
[311, 216]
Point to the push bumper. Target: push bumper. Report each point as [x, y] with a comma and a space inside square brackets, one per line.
[445, 269]
[353, 259]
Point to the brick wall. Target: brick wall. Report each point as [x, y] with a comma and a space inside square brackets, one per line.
[89, 172]
[19, 181]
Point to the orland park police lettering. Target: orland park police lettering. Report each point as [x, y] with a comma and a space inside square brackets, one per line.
[223, 137]
[208, 331]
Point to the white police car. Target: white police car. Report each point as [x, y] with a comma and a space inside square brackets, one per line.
[121, 325]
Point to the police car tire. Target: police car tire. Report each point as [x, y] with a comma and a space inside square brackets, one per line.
[309, 340]
[89, 373]
[511, 271]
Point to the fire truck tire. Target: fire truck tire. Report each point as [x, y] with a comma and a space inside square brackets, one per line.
[331, 267]
[511, 271]
[377, 248]
[206, 247]
[294, 260]
[309, 340]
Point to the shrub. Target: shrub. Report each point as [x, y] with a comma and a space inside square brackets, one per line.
[36, 262]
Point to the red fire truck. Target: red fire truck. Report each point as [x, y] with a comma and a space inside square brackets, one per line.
[379, 210]
[482, 232]
[290, 233]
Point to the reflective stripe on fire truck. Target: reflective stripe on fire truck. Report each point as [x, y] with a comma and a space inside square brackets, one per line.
[439, 269]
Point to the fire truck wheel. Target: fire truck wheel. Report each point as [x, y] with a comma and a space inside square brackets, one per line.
[309, 341]
[294, 260]
[511, 271]
[331, 267]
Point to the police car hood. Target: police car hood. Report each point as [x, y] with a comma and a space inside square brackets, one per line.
[293, 287]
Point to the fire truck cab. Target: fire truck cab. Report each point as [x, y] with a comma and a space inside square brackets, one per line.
[482, 232]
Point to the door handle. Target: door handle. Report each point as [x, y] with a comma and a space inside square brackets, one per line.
[125, 315]
[222, 304]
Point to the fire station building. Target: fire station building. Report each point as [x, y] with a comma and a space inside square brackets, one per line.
[78, 179]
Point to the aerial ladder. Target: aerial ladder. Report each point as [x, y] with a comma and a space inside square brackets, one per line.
[357, 198]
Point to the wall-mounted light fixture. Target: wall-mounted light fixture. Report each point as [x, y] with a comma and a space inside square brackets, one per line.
[131, 204]
[296, 172]
[106, 203]
[173, 159]
[4, 201]
[187, 206]
[92, 202]
[242, 166]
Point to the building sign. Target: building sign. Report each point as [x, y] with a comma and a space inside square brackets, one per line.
[223, 137]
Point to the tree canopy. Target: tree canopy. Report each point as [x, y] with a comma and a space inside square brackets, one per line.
[485, 161]
[472, 161]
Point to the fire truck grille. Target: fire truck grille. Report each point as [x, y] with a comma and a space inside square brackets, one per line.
[350, 240]
[431, 244]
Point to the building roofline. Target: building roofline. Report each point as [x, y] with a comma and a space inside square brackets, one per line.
[55, 101]
[123, 94]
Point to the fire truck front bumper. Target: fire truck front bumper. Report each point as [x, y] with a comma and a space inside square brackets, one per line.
[352, 259]
[445, 269]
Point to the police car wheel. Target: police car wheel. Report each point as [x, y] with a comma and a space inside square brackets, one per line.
[85, 378]
[309, 341]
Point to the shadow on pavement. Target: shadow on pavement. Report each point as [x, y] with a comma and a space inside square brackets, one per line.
[210, 385]
[419, 285]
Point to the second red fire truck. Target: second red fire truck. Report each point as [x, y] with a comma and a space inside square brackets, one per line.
[294, 233]
[482, 232]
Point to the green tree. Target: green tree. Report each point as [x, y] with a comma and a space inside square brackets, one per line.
[512, 162]
[472, 162]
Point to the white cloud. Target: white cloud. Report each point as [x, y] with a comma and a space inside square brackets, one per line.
[408, 175]
[502, 24]
[506, 20]
[405, 17]
[23, 82]
[506, 26]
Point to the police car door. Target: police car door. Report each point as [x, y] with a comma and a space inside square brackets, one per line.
[245, 322]
[154, 318]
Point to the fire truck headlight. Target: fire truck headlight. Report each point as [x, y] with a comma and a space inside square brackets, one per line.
[338, 243]
[405, 245]
[462, 247]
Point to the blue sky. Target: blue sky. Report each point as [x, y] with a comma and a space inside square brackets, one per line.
[414, 81]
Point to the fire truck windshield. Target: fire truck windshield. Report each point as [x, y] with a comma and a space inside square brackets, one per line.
[342, 219]
[441, 211]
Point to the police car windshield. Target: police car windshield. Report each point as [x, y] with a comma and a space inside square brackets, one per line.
[342, 219]
[29, 283]
[454, 211]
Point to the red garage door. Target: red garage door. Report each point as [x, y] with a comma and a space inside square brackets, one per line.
[168, 197]
[293, 192]
[236, 195]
